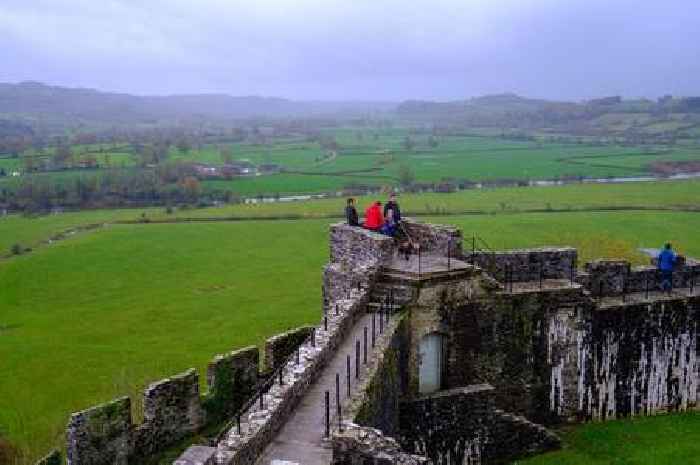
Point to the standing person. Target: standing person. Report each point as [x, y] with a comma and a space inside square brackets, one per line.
[393, 206]
[665, 262]
[351, 213]
[373, 216]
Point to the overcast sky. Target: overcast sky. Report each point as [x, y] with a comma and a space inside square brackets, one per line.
[356, 49]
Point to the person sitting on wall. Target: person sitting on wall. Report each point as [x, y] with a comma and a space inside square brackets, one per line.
[351, 213]
[665, 262]
[393, 207]
[389, 227]
[373, 217]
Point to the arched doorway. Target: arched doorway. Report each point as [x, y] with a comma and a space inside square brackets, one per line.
[431, 362]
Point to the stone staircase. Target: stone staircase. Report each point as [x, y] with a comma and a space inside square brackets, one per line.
[392, 293]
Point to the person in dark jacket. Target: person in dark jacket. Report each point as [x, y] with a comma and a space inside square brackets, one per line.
[351, 213]
[394, 207]
[373, 217]
[665, 262]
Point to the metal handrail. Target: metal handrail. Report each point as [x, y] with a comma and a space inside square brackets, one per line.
[262, 389]
[481, 246]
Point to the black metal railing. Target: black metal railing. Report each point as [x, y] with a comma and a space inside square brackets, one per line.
[480, 246]
[263, 387]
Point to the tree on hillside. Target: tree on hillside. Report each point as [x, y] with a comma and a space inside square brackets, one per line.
[226, 153]
[28, 163]
[432, 142]
[192, 188]
[160, 152]
[328, 143]
[406, 176]
[408, 143]
[62, 156]
[184, 145]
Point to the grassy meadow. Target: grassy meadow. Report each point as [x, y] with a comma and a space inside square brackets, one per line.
[660, 440]
[106, 311]
[375, 157]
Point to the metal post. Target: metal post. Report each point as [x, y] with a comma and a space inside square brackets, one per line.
[381, 323]
[449, 253]
[297, 357]
[313, 337]
[325, 323]
[281, 375]
[238, 424]
[419, 261]
[337, 396]
[262, 400]
[374, 329]
[573, 270]
[364, 354]
[473, 249]
[348, 366]
[336, 309]
[328, 414]
[692, 281]
[541, 274]
[646, 286]
[357, 358]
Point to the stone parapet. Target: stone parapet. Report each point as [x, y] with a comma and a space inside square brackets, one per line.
[101, 435]
[279, 347]
[527, 264]
[352, 247]
[462, 425]
[363, 445]
[434, 238]
[259, 425]
[232, 378]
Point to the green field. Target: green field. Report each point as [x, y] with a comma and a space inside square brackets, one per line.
[663, 195]
[106, 311]
[374, 157]
[661, 440]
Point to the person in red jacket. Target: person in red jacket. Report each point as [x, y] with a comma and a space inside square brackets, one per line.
[373, 217]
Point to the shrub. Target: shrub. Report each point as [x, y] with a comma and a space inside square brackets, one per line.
[16, 249]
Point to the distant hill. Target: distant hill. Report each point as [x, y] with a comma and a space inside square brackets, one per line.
[601, 116]
[33, 99]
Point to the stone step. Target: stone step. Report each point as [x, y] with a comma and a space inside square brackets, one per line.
[374, 307]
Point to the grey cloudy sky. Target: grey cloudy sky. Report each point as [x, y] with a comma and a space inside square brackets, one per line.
[356, 49]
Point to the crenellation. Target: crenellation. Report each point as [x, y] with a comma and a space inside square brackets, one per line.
[172, 411]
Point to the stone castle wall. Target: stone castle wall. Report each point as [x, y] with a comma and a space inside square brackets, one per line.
[527, 264]
[625, 360]
[173, 410]
[278, 348]
[434, 238]
[377, 405]
[605, 278]
[552, 353]
[463, 425]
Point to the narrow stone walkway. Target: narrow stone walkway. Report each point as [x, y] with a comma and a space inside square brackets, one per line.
[301, 439]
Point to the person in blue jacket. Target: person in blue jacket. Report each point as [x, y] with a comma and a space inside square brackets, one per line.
[665, 262]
